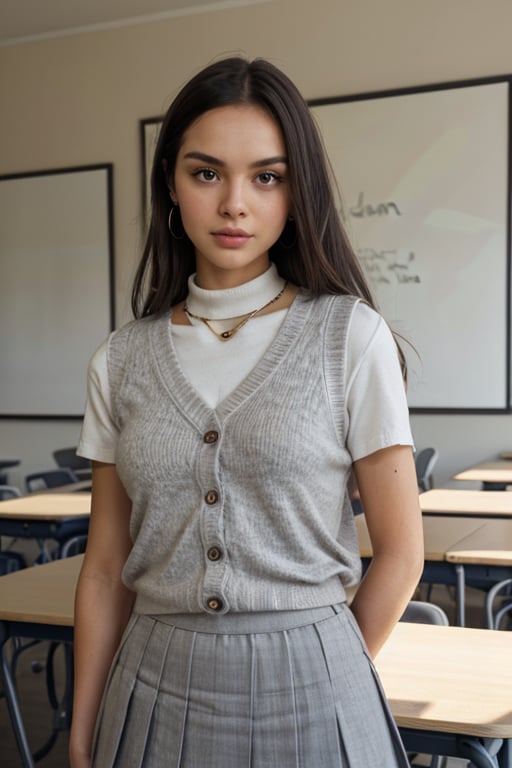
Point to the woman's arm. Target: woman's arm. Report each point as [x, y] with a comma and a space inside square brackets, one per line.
[389, 493]
[102, 605]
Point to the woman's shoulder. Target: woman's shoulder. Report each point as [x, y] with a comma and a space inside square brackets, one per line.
[135, 328]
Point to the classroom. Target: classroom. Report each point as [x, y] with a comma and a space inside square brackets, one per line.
[84, 96]
[82, 89]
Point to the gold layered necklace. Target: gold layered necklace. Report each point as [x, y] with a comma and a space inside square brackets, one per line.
[226, 335]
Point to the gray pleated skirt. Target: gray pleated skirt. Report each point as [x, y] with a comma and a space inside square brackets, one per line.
[292, 689]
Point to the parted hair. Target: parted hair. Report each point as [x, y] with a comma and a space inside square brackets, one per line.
[316, 254]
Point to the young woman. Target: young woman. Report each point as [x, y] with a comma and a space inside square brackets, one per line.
[212, 628]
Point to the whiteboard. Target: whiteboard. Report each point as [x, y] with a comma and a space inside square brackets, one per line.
[424, 180]
[56, 287]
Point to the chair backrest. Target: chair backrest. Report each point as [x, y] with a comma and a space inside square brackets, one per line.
[50, 478]
[66, 457]
[495, 614]
[425, 461]
[74, 546]
[11, 561]
[419, 612]
[9, 492]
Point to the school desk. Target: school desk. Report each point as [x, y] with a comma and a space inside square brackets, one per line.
[448, 687]
[494, 475]
[483, 557]
[449, 691]
[40, 516]
[35, 603]
[440, 534]
[463, 503]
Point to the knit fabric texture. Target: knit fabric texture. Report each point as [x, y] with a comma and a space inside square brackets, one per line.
[243, 507]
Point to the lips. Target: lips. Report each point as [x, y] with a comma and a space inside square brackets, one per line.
[231, 238]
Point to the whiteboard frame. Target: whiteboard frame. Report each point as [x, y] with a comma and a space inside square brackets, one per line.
[149, 130]
[317, 104]
[102, 209]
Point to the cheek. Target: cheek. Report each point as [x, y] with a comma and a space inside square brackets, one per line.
[192, 207]
[277, 214]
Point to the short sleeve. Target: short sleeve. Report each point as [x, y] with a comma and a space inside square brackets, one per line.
[99, 435]
[375, 399]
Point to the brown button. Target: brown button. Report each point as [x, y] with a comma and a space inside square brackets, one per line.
[214, 604]
[211, 497]
[214, 553]
[211, 437]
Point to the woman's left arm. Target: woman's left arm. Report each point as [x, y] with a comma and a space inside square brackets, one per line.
[389, 493]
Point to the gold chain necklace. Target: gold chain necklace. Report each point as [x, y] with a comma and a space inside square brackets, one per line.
[226, 335]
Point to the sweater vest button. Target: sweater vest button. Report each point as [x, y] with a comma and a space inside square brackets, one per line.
[214, 553]
[211, 437]
[215, 604]
[211, 497]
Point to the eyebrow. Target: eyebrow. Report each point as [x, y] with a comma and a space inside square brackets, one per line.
[221, 164]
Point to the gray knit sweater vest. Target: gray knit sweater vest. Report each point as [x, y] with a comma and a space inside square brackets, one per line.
[243, 507]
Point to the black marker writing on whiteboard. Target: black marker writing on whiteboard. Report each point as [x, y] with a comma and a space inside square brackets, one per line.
[387, 266]
[362, 209]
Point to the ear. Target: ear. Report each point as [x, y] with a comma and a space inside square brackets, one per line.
[172, 193]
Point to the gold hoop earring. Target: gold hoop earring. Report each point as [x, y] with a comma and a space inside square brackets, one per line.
[289, 226]
[169, 224]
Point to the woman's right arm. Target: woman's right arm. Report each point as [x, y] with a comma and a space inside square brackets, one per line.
[102, 605]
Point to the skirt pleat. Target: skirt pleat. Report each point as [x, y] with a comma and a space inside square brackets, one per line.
[292, 697]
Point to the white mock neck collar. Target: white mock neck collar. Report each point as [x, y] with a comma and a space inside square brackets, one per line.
[234, 302]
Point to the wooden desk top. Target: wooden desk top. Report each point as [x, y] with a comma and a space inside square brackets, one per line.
[488, 472]
[451, 501]
[449, 679]
[491, 544]
[43, 593]
[440, 534]
[46, 506]
[497, 557]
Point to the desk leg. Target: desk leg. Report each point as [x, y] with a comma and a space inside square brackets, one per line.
[461, 594]
[11, 698]
[505, 754]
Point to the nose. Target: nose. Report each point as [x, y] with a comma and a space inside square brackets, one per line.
[233, 204]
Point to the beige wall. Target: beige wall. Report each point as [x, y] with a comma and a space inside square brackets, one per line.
[78, 100]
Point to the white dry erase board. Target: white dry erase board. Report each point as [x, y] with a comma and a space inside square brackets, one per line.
[56, 287]
[424, 180]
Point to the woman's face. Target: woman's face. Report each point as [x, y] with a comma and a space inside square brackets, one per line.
[230, 183]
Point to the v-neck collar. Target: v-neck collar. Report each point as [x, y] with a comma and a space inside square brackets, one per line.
[186, 396]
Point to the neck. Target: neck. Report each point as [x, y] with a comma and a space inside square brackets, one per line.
[234, 301]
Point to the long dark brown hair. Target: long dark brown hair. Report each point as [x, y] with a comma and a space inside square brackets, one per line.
[321, 258]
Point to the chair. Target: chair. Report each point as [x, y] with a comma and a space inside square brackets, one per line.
[10, 561]
[425, 462]
[75, 545]
[50, 478]
[494, 616]
[67, 458]
[9, 492]
[419, 612]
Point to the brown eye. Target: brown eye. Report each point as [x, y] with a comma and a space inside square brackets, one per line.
[269, 178]
[205, 174]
